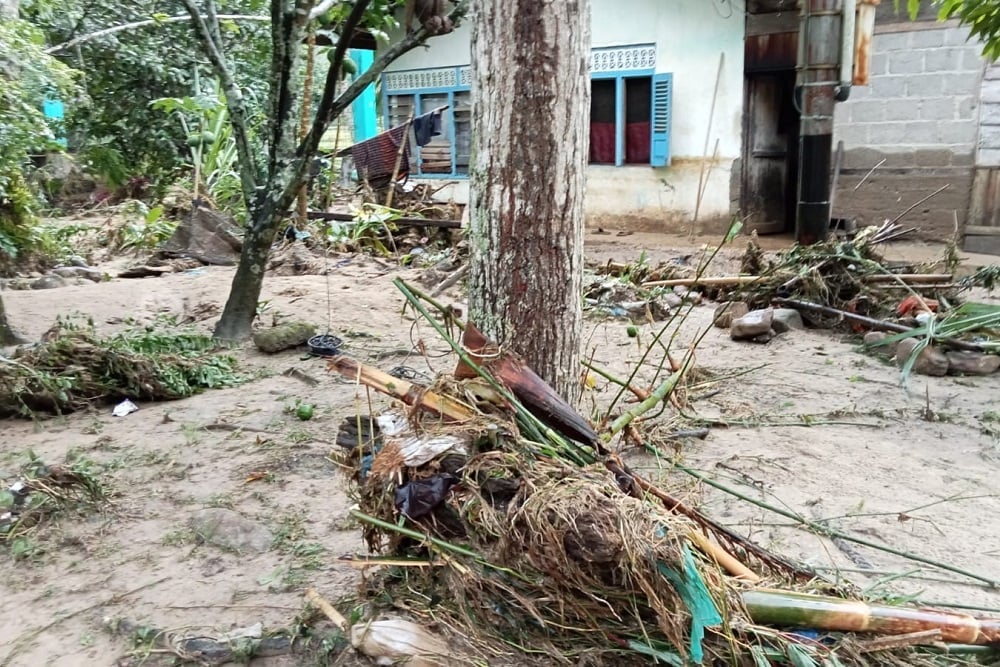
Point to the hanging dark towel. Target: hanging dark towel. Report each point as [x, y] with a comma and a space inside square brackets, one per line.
[426, 126]
[375, 158]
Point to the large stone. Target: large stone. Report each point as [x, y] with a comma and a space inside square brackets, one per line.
[753, 324]
[48, 282]
[872, 338]
[930, 360]
[230, 530]
[972, 363]
[728, 311]
[786, 319]
[283, 336]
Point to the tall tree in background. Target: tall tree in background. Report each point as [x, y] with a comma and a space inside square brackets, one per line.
[271, 183]
[531, 104]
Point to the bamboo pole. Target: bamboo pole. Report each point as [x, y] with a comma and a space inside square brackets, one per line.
[725, 281]
[318, 601]
[412, 394]
[799, 610]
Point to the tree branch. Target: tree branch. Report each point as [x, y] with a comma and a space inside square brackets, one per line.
[289, 21]
[321, 8]
[82, 39]
[234, 97]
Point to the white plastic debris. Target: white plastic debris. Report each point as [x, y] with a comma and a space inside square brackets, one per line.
[393, 641]
[255, 631]
[418, 450]
[392, 423]
[126, 407]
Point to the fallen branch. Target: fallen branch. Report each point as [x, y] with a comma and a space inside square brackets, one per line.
[403, 221]
[451, 280]
[877, 325]
[412, 394]
[826, 531]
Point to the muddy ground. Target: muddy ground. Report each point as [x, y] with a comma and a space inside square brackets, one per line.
[815, 427]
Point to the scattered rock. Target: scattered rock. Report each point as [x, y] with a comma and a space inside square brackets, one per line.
[930, 361]
[76, 260]
[230, 530]
[786, 319]
[972, 363]
[283, 336]
[48, 282]
[726, 312]
[873, 337]
[753, 324]
[673, 300]
[79, 272]
[145, 271]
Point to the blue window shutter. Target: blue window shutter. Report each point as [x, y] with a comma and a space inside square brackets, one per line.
[659, 151]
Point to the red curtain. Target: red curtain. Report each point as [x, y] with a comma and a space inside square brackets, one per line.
[637, 143]
[602, 143]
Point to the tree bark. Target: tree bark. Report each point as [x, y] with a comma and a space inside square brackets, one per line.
[7, 335]
[531, 104]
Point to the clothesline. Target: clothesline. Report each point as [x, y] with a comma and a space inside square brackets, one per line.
[347, 151]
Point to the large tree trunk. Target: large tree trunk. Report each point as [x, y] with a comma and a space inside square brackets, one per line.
[7, 335]
[241, 306]
[531, 105]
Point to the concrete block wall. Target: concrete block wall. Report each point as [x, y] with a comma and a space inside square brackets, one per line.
[989, 118]
[920, 113]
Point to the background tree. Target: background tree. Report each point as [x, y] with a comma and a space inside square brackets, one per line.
[118, 142]
[7, 335]
[27, 76]
[531, 103]
[271, 182]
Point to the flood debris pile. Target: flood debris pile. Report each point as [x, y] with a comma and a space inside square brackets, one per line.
[74, 367]
[497, 512]
[42, 491]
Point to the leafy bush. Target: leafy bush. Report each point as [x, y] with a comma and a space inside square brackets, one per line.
[27, 76]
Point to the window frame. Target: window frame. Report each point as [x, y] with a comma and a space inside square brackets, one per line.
[418, 93]
[619, 76]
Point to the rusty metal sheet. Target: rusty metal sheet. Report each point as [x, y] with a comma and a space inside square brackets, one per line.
[763, 53]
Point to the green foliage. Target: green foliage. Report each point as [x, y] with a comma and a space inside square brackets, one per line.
[77, 367]
[142, 228]
[212, 148]
[27, 76]
[113, 125]
[982, 17]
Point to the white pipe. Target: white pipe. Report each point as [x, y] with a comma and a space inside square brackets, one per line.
[847, 43]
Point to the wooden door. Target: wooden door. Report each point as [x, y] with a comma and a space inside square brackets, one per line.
[769, 153]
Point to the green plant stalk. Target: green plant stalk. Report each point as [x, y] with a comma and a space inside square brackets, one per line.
[826, 531]
[437, 542]
[658, 394]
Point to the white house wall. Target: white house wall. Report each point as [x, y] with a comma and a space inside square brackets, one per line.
[690, 36]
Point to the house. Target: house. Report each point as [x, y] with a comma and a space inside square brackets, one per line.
[695, 118]
[654, 110]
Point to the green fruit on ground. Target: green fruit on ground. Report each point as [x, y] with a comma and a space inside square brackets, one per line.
[632, 331]
[304, 411]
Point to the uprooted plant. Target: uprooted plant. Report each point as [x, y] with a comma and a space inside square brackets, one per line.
[501, 513]
[76, 367]
[41, 492]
